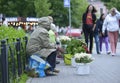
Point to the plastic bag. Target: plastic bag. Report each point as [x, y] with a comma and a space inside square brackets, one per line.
[37, 63]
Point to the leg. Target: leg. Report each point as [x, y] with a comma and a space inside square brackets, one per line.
[106, 43]
[51, 59]
[112, 45]
[116, 39]
[86, 35]
[101, 40]
[91, 41]
[97, 43]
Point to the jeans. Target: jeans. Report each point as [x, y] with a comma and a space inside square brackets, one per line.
[96, 36]
[88, 33]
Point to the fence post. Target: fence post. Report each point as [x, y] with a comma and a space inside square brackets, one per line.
[18, 57]
[26, 40]
[4, 60]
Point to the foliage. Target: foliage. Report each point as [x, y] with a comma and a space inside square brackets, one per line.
[78, 7]
[83, 58]
[23, 78]
[42, 8]
[106, 0]
[75, 46]
[10, 33]
[61, 14]
[39, 8]
[17, 8]
[112, 3]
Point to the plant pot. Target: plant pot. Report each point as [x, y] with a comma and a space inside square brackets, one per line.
[82, 69]
[73, 63]
[67, 59]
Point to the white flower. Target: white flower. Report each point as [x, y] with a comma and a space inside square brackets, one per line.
[65, 38]
[83, 58]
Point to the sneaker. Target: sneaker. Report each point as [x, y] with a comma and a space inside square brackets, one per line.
[57, 62]
[50, 73]
[98, 53]
[108, 52]
[56, 71]
[113, 54]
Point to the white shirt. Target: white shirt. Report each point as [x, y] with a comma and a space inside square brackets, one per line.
[5, 23]
[111, 22]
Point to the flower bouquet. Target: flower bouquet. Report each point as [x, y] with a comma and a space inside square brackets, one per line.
[83, 58]
[64, 39]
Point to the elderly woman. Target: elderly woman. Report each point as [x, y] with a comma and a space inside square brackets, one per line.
[39, 44]
[111, 23]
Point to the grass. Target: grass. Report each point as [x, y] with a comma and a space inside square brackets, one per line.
[23, 78]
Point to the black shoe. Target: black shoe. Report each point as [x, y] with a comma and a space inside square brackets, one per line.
[57, 62]
[108, 53]
[98, 52]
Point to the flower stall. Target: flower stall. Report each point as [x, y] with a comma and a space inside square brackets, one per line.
[72, 46]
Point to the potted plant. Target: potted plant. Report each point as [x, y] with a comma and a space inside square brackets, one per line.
[73, 46]
[83, 61]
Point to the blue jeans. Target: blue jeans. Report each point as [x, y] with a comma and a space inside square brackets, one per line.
[96, 36]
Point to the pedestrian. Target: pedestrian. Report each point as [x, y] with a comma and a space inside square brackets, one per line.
[4, 21]
[96, 37]
[89, 23]
[102, 37]
[111, 23]
[39, 44]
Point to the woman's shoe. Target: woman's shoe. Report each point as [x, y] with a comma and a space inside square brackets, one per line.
[50, 73]
[56, 71]
[108, 52]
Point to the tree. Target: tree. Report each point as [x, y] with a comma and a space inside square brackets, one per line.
[112, 3]
[78, 7]
[61, 14]
[22, 8]
[42, 8]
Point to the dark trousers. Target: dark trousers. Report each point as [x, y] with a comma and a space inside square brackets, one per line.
[88, 33]
[51, 59]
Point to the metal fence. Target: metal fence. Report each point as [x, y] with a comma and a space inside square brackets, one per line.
[13, 59]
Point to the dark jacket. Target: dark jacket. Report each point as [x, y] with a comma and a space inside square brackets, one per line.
[99, 25]
[84, 19]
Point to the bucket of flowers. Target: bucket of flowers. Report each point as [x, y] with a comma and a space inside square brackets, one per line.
[64, 40]
[83, 61]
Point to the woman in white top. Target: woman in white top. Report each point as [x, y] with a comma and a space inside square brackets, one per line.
[111, 22]
[4, 22]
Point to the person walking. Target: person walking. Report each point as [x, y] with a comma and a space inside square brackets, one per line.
[102, 37]
[88, 20]
[111, 23]
[96, 37]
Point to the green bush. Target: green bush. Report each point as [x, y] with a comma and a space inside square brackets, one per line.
[75, 46]
[10, 33]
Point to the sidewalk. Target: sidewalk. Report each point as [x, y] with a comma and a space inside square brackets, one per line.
[105, 69]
